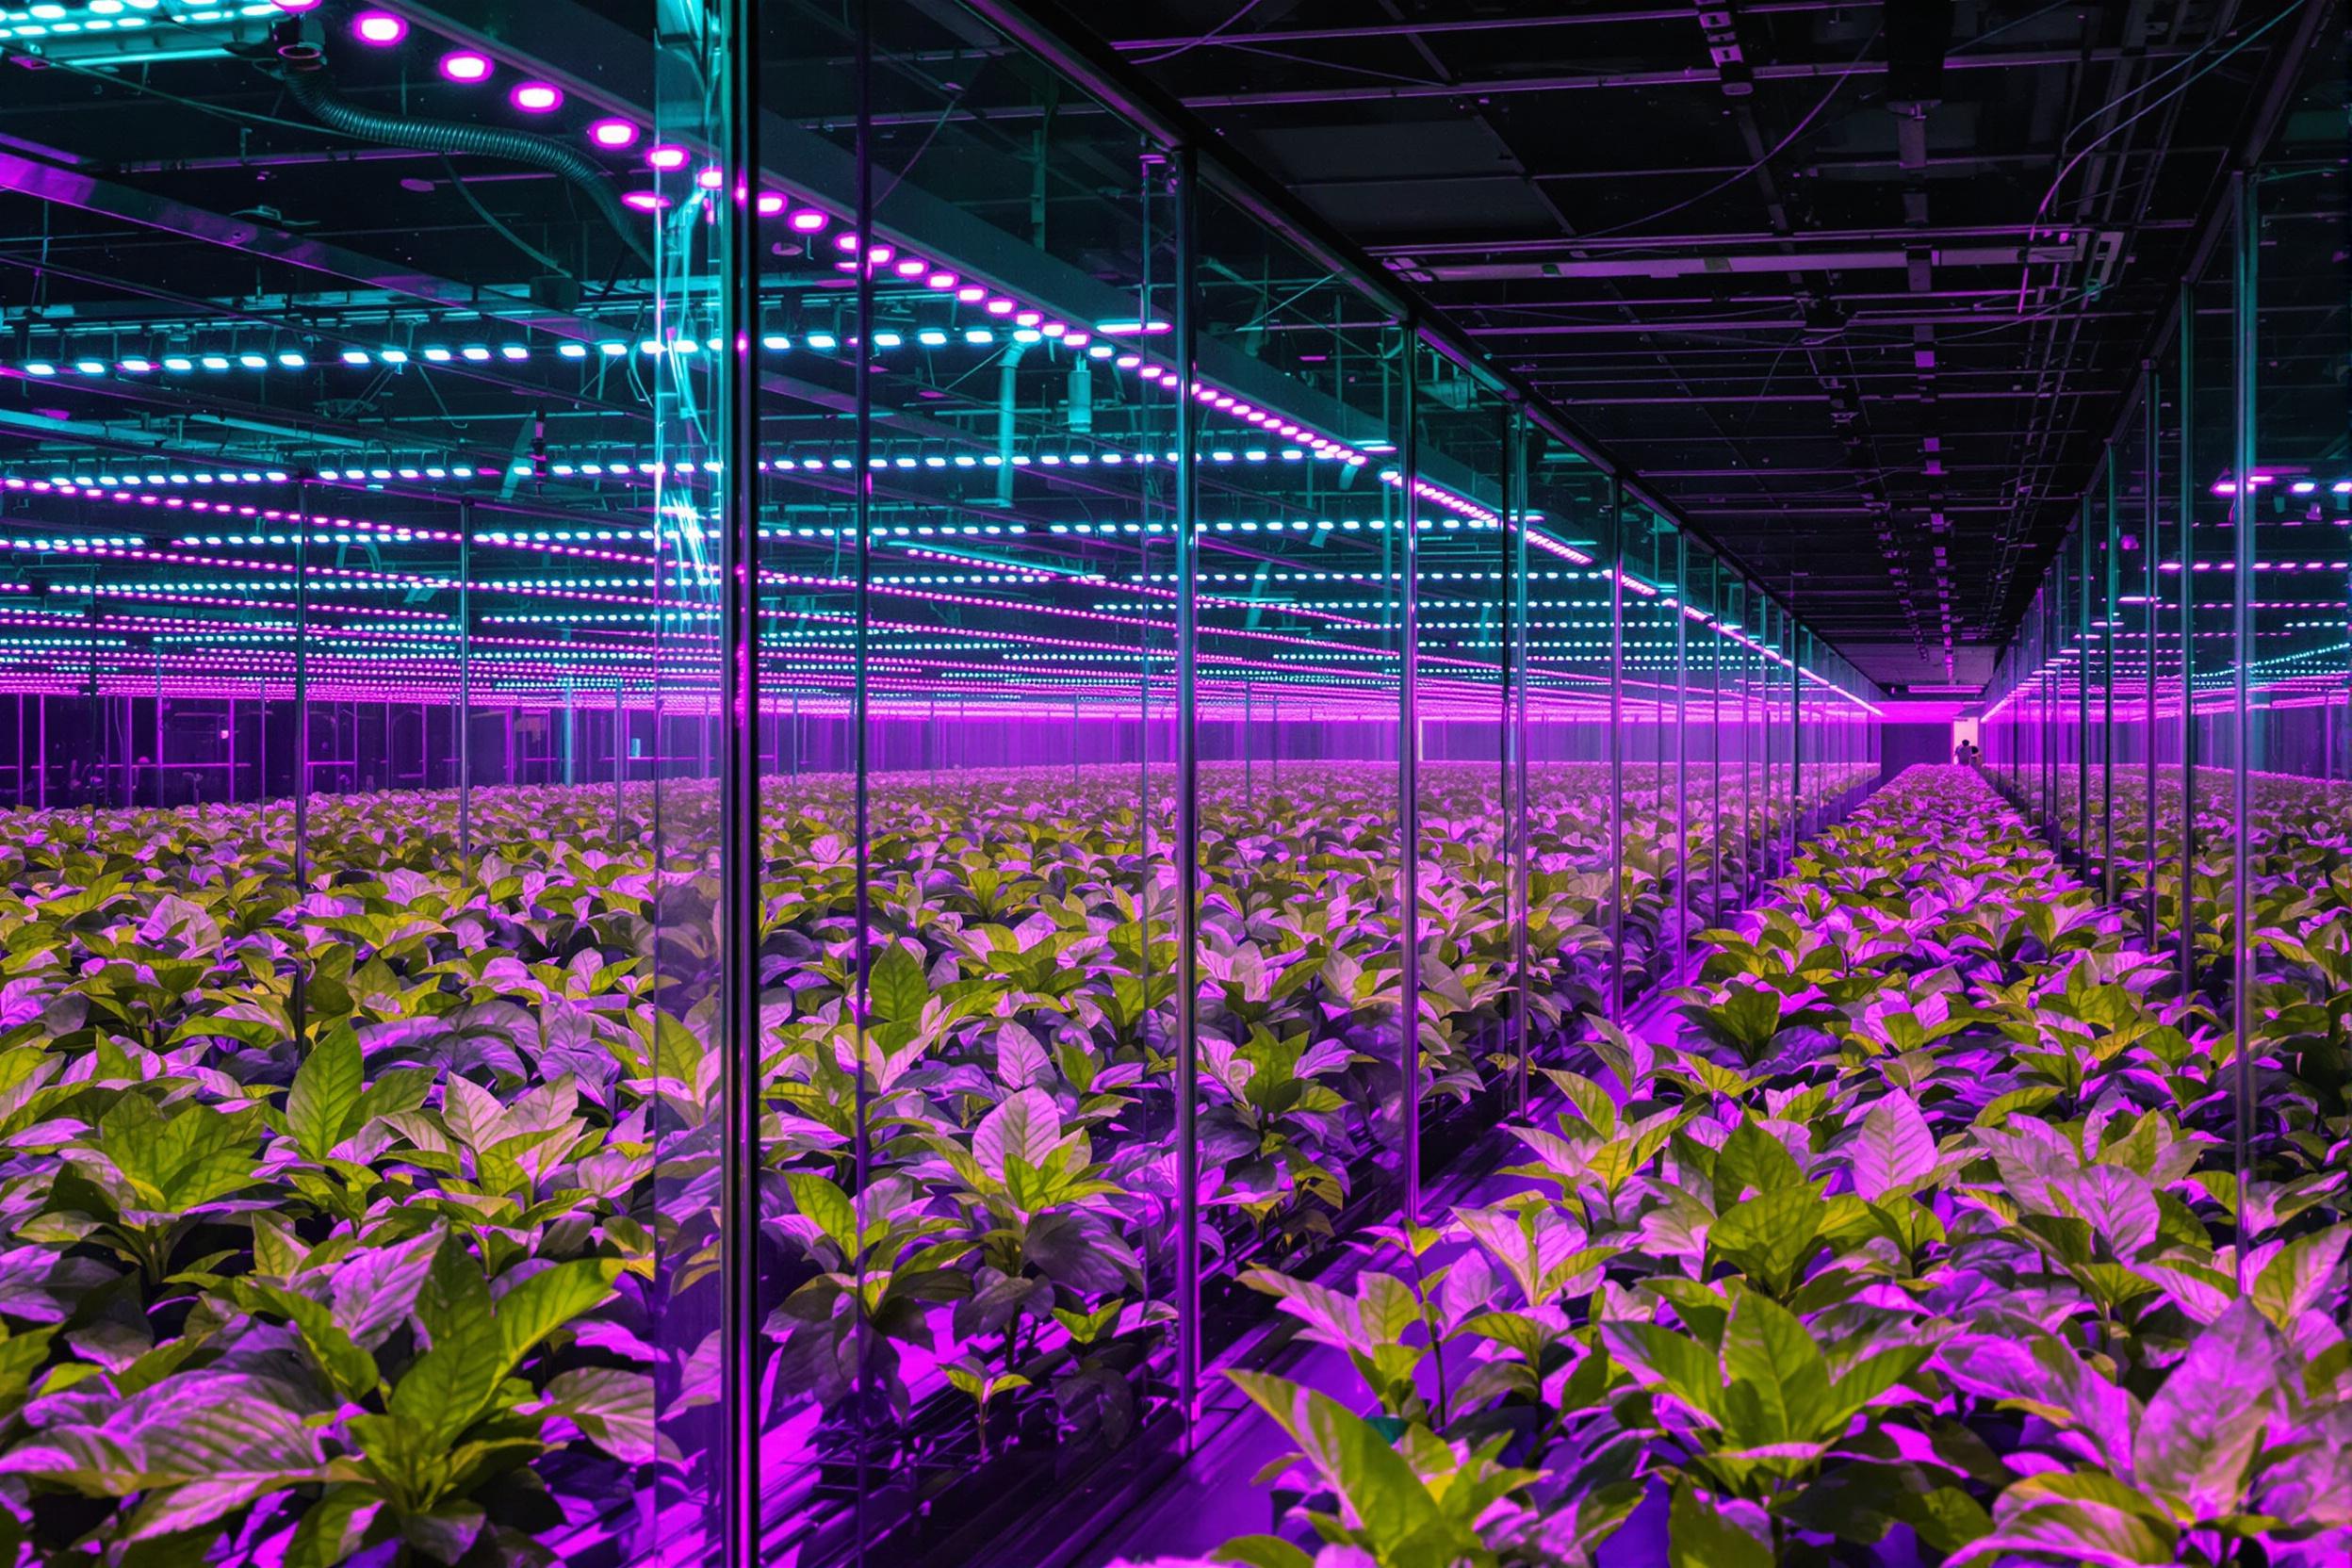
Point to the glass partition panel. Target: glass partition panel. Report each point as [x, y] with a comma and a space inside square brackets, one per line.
[1302, 405]
[2211, 566]
[1463, 634]
[1575, 796]
[346, 369]
[2133, 683]
[2298, 739]
[1656, 850]
[1699, 655]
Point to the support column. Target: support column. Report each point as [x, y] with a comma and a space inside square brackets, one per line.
[2107, 689]
[737, 916]
[1187, 847]
[2245, 510]
[1613, 552]
[1409, 771]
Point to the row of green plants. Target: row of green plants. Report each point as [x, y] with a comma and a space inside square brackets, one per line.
[1016, 1189]
[362, 1205]
[1922, 1241]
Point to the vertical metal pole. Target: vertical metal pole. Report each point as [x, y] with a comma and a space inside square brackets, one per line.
[1187, 847]
[298, 1008]
[860, 709]
[2050, 725]
[739, 796]
[302, 701]
[2184, 483]
[1682, 753]
[2081, 644]
[2151, 438]
[1614, 553]
[1515, 745]
[1715, 770]
[465, 685]
[1249, 782]
[1408, 769]
[1795, 742]
[2247, 510]
[2107, 689]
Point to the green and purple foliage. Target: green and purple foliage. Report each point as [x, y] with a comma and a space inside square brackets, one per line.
[357, 1215]
[1925, 1238]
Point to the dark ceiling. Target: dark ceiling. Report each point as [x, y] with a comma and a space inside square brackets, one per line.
[1857, 288]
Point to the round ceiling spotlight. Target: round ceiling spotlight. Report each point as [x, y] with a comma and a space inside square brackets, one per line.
[293, 7]
[612, 133]
[536, 97]
[380, 29]
[666, 158]
[464, 65]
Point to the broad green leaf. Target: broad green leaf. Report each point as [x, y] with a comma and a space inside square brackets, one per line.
[1373, 1477]
[333, 1528]
[445, 1389]
[1894, 1150]
[2295, 1279]
[1591, 1101]
[2217, 1406]
[896, 986]
[548, 1300]
[1770, 1237]
[1752, 1159]
[1027, 1125]
[326, 1092]
[1264, 1551]
[1766, 1348]
[350, 1370]
[1700, 1535]
[828, 1207]
[1689, 1369]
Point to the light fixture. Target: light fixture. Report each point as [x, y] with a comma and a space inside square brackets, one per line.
[612, 133]
[536, 97]
[646, 201]
[666, 158]
[807, 220]
[768, 205]
[380, 29]
[464, 65]
[710, 179]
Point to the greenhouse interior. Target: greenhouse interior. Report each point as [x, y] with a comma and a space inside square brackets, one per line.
[1284, 783]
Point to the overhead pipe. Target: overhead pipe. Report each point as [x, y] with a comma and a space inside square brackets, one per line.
[304, 74]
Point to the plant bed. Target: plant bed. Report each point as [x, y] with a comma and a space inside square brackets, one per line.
[1925, 1244]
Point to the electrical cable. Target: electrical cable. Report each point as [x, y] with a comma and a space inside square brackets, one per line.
[490, 218]
[308, 84]
[1248, 5]
[2033, 228]
[1729, 180]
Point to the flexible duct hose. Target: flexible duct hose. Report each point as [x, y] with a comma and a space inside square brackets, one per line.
[316, 95]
